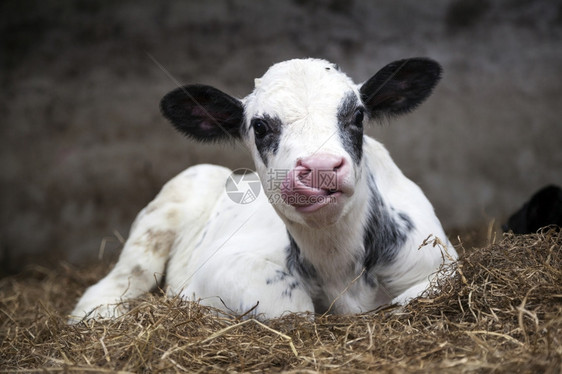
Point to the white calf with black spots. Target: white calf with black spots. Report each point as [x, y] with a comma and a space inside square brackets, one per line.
[337, 227]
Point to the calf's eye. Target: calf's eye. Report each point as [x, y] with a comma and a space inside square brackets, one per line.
[260, 128]
[358, 117]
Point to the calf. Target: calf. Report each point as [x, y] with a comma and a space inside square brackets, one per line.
[338, 228]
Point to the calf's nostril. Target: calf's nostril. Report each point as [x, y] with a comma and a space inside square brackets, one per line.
[337, 167]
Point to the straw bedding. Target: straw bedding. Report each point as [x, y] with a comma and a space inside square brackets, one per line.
[502, 312]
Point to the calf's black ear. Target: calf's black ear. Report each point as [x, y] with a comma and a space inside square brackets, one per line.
[204, 113]
[400, 86]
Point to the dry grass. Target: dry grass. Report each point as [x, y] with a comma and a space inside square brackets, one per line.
[502, 313]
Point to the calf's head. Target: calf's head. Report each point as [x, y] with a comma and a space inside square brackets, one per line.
[303, 125]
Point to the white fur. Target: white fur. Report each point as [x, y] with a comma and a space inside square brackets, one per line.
[233, 256]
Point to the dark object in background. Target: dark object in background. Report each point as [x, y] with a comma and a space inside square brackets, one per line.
[544, 208]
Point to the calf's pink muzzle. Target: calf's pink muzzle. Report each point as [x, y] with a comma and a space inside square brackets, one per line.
[315, 182]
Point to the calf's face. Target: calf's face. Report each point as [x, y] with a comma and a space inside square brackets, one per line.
[304, 127]
[303, 124]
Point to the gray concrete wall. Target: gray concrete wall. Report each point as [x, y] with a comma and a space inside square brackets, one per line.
[83, 146]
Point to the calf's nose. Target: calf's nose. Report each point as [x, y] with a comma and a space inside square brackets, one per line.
[321, 171]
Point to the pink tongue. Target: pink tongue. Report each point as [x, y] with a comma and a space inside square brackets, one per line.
[305, 177]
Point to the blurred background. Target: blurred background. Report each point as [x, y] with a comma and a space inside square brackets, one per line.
[83, 146]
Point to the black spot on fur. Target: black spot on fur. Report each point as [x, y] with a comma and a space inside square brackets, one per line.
[300, 267]
[297, 264]
[351, 133]
[269, 142]
[288, 292]
[408, 224]
[279, 277]
[384, 234]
